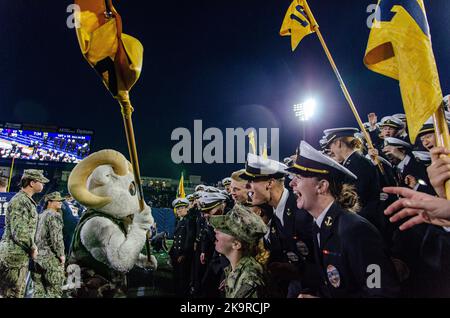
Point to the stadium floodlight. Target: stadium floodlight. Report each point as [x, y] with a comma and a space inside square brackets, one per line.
[305, 110]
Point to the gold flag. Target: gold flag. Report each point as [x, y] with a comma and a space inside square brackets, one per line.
[297, 23]
[399, 46]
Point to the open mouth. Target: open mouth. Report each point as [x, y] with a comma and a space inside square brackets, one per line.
[299, 199]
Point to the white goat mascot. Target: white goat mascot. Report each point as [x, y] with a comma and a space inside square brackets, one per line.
[106, 243]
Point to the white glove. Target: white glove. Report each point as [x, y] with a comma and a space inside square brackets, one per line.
[143, 219]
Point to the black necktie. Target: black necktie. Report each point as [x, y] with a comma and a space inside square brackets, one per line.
[318, 252]
[315, 229]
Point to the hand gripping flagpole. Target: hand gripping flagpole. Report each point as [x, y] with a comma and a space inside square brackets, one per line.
[442, 138]
[315, 27]
[117, 58]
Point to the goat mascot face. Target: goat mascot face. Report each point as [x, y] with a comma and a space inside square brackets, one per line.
[105, 245]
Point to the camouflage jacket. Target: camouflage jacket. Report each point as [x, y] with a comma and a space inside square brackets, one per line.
[20, 227]
[49, 236]
[246, 281]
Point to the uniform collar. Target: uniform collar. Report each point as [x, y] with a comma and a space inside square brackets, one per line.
[322, 215]
[279, 210]
[26, 194]
[53, 212]
[348, 157]
[240, 265]
[328, 222]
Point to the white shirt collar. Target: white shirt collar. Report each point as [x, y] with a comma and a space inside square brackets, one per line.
[279, 210]
[319, 220]
[402, 164]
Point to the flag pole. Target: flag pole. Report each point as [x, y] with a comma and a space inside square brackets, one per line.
[442, 138]
[121, 75]
[127, 110]
[123, 97]
[315, 27]
[10, 173]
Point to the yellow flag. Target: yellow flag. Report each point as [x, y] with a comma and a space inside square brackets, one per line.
[180, 191]
[399, 46]
[297, 23]
[117, 57]
[251, 140]
[264, 152]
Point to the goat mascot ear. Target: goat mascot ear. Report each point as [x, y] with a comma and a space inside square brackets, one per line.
[117, 57]
[77, 182]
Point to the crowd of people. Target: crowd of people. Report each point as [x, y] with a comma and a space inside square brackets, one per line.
[341, 220]
[42, 147]
[332, 221]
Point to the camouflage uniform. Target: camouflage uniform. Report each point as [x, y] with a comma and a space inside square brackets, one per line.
[49, 272]
[247, 279]
[18, 240]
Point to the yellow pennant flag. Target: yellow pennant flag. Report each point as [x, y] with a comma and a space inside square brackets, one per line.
[117, 57]
[180, 191]
[399, 46]
[251, 140]
[297, 23]
[264, 152]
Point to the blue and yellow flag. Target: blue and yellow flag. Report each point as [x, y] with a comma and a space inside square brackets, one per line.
[180, 191]
[297, 23]
[399, 46]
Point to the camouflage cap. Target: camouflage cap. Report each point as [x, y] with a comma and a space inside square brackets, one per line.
[36, 175]
[54, 196]
[241, 223]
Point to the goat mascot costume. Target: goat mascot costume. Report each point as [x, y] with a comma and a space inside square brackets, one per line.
[110, 235]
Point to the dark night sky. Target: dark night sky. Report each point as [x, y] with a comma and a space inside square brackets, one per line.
[219, 61]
